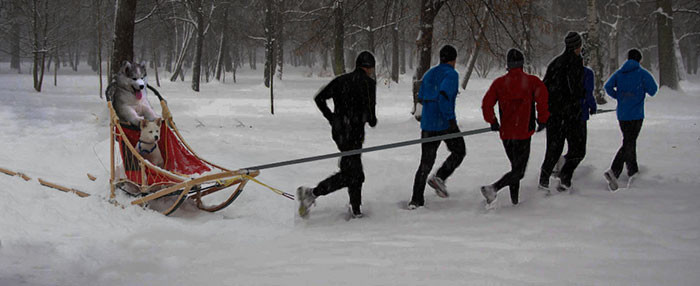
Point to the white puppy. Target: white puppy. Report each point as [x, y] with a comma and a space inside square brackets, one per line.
[148, 142]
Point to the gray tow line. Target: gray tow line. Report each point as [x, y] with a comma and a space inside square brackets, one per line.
[381, 147]
[370, 149]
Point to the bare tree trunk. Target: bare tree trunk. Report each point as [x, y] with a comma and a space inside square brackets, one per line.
[478, 41]
[206, 64]
[411, 56]
[270, 51]
[668, 71]
[472, 62]
[181, 56]
[338, 43]
[155, 66]
[197, 65]
[15, 38]
[369, 25]
[324, 61]
[38, 49]
[351, 52]
[123, 47]
[613, 51]
[395, 42]
[169, 54]
[223, 48]
[55, 74]
[527, 36]
[424, 43]
[595, 51]
[269, 42]
[280, 37]
[220, 56]
[98, 9]
[402, 52]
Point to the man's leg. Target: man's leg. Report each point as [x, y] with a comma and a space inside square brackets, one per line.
[576, 134]
[630, 141]
[428, 153]
[508, 178]
[619, 160]
[458, 151]
[555, 146]
[356, 177]
[518, 152]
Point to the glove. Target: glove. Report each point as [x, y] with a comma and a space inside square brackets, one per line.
[453, 125]
[495, 126]
[541, 126]
[593, 111]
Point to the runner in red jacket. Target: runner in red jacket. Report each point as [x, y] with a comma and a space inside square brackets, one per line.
[518, 95]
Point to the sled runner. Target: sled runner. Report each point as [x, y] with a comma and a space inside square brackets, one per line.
[184, 174]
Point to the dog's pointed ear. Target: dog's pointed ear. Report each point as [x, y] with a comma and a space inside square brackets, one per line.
[144, 70]
[126, 66]
[143, 123]
[159, 121]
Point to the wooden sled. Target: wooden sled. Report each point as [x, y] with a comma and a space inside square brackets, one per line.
[184, 175]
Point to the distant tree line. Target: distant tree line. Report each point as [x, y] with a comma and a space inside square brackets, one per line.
[205, 40]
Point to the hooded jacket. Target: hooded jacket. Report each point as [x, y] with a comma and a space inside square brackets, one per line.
[518, 95]
[354, 100]
[438, 94]
[564, 81]
[628, 86]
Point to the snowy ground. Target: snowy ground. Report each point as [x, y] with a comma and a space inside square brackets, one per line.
[648, 235]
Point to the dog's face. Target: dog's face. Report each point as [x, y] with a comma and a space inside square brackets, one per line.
[132, 75]
[150, 131]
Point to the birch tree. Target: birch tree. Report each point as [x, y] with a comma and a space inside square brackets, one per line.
[595, 51]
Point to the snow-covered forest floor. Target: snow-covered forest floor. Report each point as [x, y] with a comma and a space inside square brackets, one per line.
[647, 235]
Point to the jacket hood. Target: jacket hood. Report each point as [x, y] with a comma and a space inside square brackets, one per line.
[629, 66]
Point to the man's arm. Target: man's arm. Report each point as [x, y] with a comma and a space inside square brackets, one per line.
[541, 100]
[589, 85]
[488, 103]
[650, 86]
[325, 93]
[611, 86]
[372, 93]
[448, 92]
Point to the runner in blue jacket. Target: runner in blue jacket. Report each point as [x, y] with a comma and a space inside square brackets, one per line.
[437, 94]
[629, 86]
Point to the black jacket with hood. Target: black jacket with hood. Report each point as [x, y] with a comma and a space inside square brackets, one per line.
[354, 100]
[564, 81]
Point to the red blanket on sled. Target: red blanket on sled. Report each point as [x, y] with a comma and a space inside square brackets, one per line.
[176, 157]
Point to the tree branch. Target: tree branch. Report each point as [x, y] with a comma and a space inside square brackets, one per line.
[155, 7]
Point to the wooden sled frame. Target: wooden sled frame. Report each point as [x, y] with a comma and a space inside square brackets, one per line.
[182, 186]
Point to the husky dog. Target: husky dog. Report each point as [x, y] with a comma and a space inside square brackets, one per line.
[148, 142]
[128, 94]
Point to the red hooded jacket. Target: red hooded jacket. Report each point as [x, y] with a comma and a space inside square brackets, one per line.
[517, 93]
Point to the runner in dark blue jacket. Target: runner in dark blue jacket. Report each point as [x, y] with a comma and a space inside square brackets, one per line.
[588, 108]
[438, 92]
[629, 86]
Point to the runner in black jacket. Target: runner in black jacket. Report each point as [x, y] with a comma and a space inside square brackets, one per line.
[354, 99]
[564, 81]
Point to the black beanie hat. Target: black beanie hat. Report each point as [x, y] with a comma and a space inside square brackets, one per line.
[572, 41]
[634, 54]
[448, 53]
[365, 59]
[514, 59]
